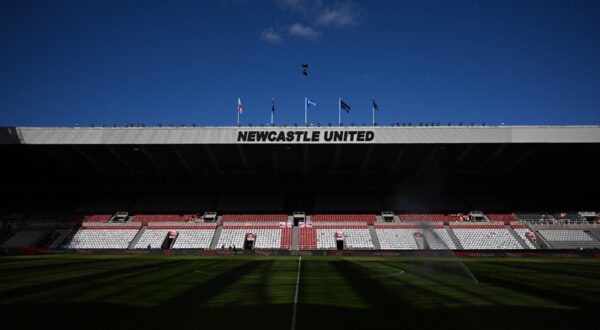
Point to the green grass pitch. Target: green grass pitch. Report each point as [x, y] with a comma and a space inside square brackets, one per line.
[242, 292]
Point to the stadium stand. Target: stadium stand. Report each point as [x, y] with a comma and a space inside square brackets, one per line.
[58, 237]
[522, 231]
[424, 217]
[402, 237]
[569, 239]
[193, 238]
[147, 218]
[24, 238]
[535, 218]
[336, 218]
[307, 238]
[507, 218]
[103, 237]
[97, 218]
[595, 233]
[485, 237]
[187, 237]
[413, 231]
[267, 237]
[396, 239]
[244, 218]
[356, 237]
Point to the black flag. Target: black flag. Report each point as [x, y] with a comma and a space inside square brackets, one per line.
[344, 106]
[375, 106]
[272, 105]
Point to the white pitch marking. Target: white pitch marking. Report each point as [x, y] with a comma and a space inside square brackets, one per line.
[296, 295]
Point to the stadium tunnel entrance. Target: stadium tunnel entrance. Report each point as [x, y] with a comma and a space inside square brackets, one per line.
[169, 240]
[340, 241]
[249, 241]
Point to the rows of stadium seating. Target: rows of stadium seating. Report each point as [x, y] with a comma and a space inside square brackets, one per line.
[522, 233]
[569, 239]
[490, 237]
[267, 237]
[25, 237]
[187, 238]
[254, 218]
[364, 218]
[355, 237]
[103, 238]
[147, 218]
[97, 217]
[403, 237]
[307, 238]
[502, 217]
[507, 231]
[422, 217]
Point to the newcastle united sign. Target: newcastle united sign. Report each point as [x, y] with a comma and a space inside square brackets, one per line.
[305, 136]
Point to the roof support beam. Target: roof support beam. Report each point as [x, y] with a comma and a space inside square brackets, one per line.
[426, 162]
[275, 163]
[240, 149]
[395, 162]
[146, 153]
[87, 157]
[65, 164]
[121, 159]
[462, 156]
[305, 159]
[184, 162]
[211, 157]
[336, 160]
[519, 160]
[366, 161]
[492, 157]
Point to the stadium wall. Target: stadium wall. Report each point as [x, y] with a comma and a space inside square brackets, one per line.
[324, 253]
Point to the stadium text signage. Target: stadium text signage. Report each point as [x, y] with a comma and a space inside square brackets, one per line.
[306, 136]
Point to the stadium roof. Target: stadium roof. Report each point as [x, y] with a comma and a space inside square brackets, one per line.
[516, 160]
[300, 135]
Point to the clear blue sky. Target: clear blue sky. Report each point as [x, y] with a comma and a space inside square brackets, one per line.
[81, 62]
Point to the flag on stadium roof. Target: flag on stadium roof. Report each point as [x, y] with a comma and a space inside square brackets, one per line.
[272, 109]
[375, 106]
[240, 107]
[344, 106]
[311, 102]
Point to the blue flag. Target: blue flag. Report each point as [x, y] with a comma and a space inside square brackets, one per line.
[311, 102]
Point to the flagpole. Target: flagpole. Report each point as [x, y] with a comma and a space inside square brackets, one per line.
[339, 111]
[373, 109]
[238, 114]
[305, 112]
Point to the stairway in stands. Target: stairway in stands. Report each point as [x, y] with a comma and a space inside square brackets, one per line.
[517, 237]
[374, 237]
[216, 236]
[295, 238]
[454, 238]
[137, 237]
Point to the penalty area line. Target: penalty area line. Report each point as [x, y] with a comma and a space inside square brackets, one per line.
[296, 294]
